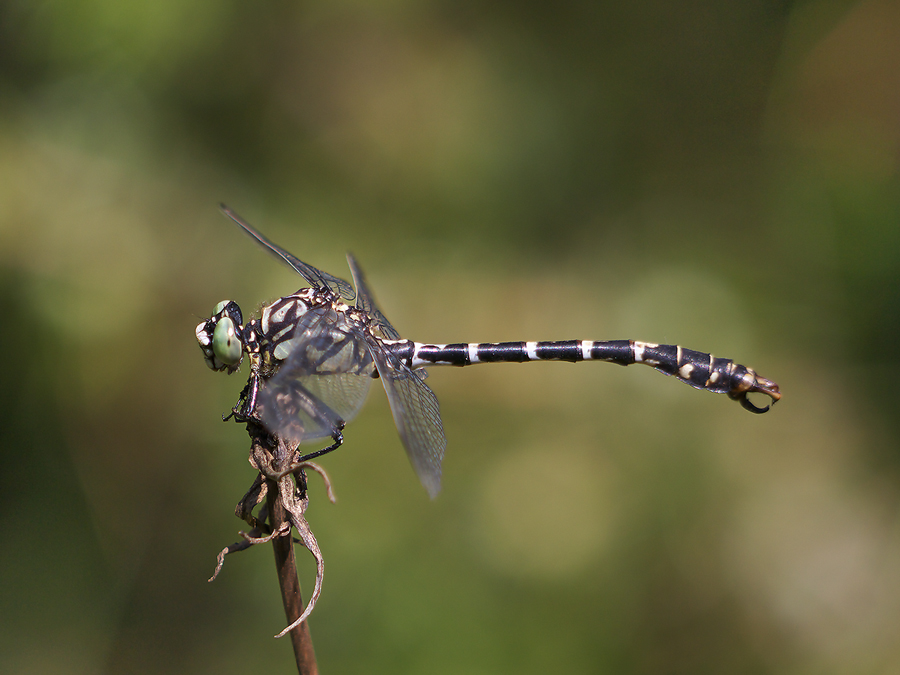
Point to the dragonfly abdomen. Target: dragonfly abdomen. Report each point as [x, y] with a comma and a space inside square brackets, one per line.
[698, 369]
[467, 354]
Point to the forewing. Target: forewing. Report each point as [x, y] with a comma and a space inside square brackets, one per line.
[417, 416]
[315, 277]
[325, 373]
[366, 302]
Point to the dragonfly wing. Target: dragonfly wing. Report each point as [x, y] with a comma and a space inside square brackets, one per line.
[415, 408]
[315, 277]
[366, 302]
[417, 416]
[322, 381]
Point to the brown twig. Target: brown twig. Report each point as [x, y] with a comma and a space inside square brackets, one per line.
[283, 546]
[281, 484]
[290, 587]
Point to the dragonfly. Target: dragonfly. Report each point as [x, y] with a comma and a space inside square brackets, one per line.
[313, 355]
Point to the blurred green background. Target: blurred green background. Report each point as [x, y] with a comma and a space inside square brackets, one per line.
[720, 175]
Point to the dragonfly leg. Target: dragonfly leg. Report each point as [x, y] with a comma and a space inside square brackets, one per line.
[236, 410]
[244, 409]
[303, 462]
[338, 437]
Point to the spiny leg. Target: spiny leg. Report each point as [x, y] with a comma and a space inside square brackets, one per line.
[338, 438]
[246, 405]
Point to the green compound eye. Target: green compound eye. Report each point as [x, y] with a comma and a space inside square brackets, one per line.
[225, 343]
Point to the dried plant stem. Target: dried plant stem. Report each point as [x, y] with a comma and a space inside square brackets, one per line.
[290, 587]
[263, 448]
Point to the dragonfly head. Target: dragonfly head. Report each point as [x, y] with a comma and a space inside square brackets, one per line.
[221, 337]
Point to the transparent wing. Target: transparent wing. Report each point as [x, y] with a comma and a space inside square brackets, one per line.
[417, 416]
[323, 379]
[315, 277]
[366, 302]
[415, 408]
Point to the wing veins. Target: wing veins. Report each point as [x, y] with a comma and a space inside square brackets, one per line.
[316, 277]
